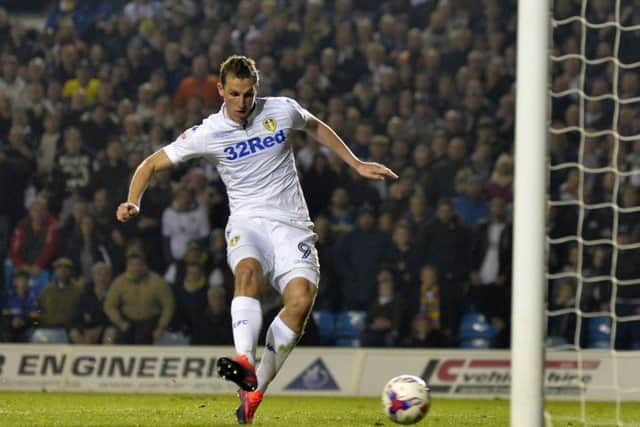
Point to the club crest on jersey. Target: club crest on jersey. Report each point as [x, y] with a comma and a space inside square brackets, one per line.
[234, 241]
[270, 124]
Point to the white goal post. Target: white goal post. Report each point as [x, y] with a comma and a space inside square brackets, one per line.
[527, 335]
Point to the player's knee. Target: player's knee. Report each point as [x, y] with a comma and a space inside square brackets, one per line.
[301, 300]
[247, 277]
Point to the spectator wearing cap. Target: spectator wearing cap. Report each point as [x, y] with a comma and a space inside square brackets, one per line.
[90, 323]
[359, 255]
[139, 303]
[471, 205]
[21, 311]
[83, 80]
[59, 300]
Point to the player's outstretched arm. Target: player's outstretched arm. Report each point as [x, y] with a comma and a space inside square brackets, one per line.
[139, 182]
[325, 135]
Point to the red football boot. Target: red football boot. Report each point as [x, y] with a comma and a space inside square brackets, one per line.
[249, 401]
[239, 371]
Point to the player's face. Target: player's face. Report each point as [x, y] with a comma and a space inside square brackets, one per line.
[239, 96]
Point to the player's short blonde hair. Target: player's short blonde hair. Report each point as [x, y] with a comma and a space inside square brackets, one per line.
[239, 66]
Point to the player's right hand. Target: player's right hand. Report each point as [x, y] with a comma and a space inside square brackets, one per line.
[126, 211]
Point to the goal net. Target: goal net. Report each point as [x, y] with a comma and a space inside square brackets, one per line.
[593, 270]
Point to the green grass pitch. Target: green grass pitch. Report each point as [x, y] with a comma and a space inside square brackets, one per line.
[94, 409]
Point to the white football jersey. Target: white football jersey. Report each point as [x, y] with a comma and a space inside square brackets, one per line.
[253, 159]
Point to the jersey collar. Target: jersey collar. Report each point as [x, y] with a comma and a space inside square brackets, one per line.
[257, 105]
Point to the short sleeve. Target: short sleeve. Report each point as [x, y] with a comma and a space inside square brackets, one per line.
[299, 115]
[190, 144]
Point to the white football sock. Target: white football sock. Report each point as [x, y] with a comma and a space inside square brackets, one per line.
[246, 320]
[280, 340]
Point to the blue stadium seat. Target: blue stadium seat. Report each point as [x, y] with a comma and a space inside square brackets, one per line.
[173, 338]
[326, 324]
[475, 331]
[599, 332]
[49, 336]
[554, 341]
[349, 324]
[476, 343]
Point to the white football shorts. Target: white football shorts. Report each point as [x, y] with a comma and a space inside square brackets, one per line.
[284, 250]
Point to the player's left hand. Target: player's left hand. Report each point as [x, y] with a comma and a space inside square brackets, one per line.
[374, 170]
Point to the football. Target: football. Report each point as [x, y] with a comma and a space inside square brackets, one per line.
[406, 399]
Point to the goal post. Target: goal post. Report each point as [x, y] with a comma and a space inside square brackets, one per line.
[527, 335]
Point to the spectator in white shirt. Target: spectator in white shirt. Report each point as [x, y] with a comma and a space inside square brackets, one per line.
[183, 221]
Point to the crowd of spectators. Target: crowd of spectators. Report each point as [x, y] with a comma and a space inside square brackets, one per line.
[424, 86]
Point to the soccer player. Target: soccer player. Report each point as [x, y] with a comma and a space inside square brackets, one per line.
[269, 233]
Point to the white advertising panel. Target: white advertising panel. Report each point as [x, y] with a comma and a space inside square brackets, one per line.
[311, 370]
[110, 368]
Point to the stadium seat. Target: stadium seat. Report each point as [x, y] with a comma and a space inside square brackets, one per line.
[599, 332]
[49, 336]
[555, 341]
[476, 343]
[349, 324]
[326, 324]
[173, 338]
[475, 331]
